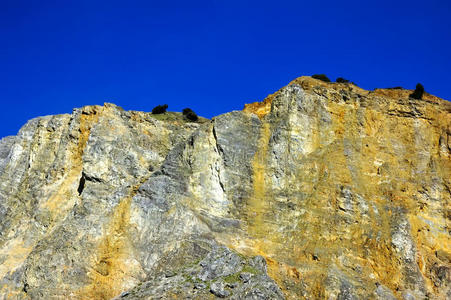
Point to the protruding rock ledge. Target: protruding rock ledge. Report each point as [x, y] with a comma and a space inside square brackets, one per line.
[308, 83]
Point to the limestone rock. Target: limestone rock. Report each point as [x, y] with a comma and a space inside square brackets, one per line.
[216, 274]
[323, 190]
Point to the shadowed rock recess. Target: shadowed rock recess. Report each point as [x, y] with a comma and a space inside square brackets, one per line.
[321, 191]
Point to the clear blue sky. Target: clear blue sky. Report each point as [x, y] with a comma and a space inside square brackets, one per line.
[212, 56]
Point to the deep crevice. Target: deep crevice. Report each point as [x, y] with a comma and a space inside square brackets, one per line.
[25, 288]
[91, 178]
[218, 148]
[81, 185]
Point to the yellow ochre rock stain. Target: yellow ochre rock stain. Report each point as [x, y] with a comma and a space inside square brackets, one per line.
[262, 108]
[377, 157]
[263, 237]
[111, 266]
[114, 269]
[59, 202]
[257, 202]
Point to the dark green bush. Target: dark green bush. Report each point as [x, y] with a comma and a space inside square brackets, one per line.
[418, 93]
[395, 88]
[187, 110]
[341, 80]
[192, 116]
[321, 77]
[159, 109]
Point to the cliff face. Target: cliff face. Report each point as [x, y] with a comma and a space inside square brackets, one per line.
[320, 191]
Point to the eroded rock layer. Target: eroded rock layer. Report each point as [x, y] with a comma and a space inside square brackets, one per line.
[321, 191]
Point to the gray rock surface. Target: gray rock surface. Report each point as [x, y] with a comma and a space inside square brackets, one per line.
[322, 191]
[218, 273]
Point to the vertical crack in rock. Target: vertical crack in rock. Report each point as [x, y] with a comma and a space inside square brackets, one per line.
[221, 184]
[81, 184]
[218, 148]
[63, 198]
[357, 207]
[57, 205]
[220, 153]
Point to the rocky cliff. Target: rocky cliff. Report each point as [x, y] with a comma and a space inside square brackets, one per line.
[321, 191]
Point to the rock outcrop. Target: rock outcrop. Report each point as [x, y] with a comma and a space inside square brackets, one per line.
[321, 191]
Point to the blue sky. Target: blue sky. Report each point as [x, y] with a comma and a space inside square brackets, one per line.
[212, 56]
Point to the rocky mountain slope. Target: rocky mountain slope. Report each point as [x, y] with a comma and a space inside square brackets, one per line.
[321, 191]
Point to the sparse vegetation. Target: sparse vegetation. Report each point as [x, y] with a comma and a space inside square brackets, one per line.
[321, 77]
[232, 278]
[250, 269]
[341, 80]
[418, 93]
[189, 278]
[159, 109]
[395, 88]
[186, 111]
[192, 116]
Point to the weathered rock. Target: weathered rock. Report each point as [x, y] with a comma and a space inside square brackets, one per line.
[245, 277]
[79, 235]
[218, 289]
[209, 278]
[323, 190]
[383, 292]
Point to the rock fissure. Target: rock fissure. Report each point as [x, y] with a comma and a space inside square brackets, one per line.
[340, 192]
[81, 184]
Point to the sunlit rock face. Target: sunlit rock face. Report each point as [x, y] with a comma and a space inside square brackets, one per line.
[321, 191]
